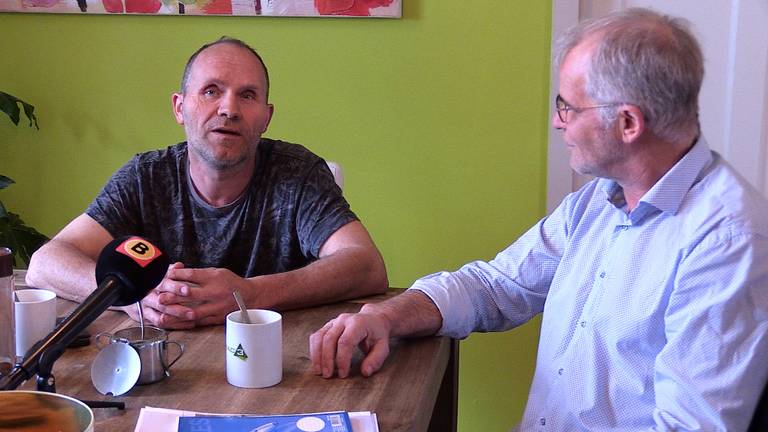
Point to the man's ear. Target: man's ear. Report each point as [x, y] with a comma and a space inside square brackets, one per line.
[176, 101]
[631, 123]
[271, 109]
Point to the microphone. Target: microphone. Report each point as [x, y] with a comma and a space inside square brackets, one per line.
[126, 270]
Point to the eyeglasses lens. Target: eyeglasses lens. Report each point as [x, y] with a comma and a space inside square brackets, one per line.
[561, 108]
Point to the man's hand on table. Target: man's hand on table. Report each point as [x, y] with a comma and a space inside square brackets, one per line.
[331, 347]
[190, 297]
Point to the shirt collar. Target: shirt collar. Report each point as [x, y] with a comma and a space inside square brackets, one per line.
[668, 193]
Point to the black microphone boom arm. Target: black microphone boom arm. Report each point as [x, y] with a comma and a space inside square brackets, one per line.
[126, 270]
[64, 333]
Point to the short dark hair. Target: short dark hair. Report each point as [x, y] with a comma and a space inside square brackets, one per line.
[222, 40]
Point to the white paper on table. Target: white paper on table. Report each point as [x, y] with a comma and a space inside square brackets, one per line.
[153, 419]
[364, 421]
[159, 419]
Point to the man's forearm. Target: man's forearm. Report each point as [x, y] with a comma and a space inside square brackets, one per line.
[348, 273]
[411, 313]
[63, 269]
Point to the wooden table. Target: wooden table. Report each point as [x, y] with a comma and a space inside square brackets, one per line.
[416, 390]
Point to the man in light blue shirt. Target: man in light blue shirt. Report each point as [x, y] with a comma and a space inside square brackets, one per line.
[651, 279]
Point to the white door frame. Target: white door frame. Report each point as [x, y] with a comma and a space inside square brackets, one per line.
[565, 13]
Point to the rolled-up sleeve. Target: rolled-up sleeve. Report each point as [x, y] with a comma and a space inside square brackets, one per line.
[504, 292]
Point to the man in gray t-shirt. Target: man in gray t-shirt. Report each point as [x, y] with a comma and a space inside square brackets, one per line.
[279, 223]
[232, 210]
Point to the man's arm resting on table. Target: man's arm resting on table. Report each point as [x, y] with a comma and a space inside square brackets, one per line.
[67, 263]
[67, 266]
[350, 266]
[332, 346]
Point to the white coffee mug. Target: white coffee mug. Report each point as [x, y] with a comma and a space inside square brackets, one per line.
[35, 311]
[254, 351]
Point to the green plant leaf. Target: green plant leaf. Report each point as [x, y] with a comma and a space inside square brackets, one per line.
[29, 111]
[14, 233]
[9, 104]
[5, 181]
[23, 240]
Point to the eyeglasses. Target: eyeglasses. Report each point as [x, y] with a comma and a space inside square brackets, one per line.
[562, 108]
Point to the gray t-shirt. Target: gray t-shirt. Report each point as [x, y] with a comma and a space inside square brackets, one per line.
[281, 221]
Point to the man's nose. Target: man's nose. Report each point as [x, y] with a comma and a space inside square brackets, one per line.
[556, 122]
[229, 106]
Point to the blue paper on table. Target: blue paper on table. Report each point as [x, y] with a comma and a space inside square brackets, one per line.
[337, 421]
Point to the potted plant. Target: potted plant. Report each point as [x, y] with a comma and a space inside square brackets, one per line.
[23, 240]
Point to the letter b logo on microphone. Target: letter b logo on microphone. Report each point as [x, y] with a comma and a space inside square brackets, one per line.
[139, 250]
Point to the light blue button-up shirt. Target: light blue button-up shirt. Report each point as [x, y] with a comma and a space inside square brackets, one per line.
[655, 319]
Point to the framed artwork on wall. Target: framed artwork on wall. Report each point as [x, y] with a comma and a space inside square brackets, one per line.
[285, 8]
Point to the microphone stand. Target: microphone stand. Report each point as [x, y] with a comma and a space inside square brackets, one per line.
[45, 379]
[46, 382]
[47, 350]
[40, 358]
[144, 268]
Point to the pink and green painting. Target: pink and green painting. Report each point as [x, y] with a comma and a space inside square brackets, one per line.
[311, 8]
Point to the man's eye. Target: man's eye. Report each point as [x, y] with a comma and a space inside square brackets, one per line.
[210, 92]
[249, 96]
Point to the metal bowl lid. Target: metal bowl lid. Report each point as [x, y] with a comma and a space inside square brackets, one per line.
[116, 369]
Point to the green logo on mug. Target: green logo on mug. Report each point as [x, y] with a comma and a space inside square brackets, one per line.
[240, 352]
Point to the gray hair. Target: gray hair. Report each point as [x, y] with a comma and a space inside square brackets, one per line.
[645, 59]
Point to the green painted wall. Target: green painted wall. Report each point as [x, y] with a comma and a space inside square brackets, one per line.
[439, 120]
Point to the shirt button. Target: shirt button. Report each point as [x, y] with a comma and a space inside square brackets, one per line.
[560, 371]
[583, 323]
[602, 275]
[543, 421]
